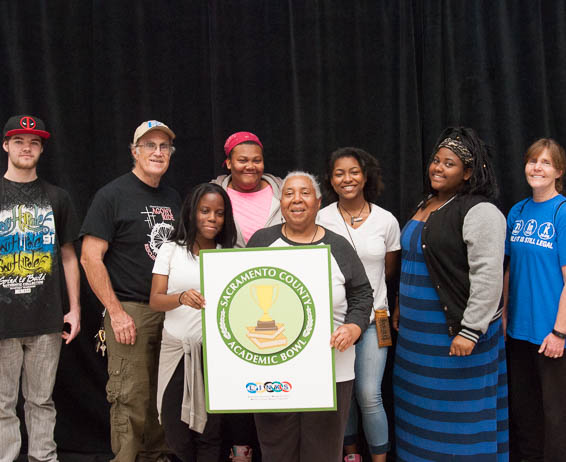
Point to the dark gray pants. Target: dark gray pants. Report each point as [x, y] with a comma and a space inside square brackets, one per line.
[186, 444]
[536, 402]
[305, 436]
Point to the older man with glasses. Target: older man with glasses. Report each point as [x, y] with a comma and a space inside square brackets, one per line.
[127, 222]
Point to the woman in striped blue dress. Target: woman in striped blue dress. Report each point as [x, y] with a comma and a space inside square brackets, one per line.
[450, 372]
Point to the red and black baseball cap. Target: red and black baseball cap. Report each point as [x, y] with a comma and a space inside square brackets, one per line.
[25, 124]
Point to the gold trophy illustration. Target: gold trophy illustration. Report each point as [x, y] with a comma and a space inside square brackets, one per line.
[266, 333]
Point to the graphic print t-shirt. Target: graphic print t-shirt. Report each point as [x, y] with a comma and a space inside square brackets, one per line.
[31, 298]
[536, 245]
[135, 219]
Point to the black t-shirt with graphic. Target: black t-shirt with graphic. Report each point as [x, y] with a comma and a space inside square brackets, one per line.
[135, 219]
[36, 218]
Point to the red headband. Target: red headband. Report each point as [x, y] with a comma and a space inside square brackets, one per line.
[237, 138]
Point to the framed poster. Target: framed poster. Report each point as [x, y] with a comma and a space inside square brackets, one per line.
[266, 329]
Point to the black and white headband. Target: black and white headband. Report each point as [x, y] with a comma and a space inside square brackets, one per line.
[458, 148]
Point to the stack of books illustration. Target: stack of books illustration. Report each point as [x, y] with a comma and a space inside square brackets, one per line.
[267, 337]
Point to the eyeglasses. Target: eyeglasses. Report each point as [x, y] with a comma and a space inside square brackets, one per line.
[164, 148]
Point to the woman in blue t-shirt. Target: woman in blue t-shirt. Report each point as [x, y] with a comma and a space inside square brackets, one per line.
[536, 307]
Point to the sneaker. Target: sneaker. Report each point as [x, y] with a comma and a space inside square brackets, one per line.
[241, 454]
[353, 458]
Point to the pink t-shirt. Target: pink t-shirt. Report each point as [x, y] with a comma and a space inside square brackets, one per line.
[251, 210]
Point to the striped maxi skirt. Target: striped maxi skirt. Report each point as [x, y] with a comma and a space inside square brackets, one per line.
[446, 408]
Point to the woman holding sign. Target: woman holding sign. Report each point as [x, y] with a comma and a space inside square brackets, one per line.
[308, 436]
[353, 182]
[205, 222]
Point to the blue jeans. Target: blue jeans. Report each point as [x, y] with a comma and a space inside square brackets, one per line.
[369, 367]
[36, 359]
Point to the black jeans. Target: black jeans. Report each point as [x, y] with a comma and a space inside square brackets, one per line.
[189, 446]
[537, 402]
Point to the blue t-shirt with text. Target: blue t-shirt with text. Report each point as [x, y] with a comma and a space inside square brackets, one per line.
[536, 245]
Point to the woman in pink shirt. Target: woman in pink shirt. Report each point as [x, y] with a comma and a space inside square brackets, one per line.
[253, 193]
[255, 203]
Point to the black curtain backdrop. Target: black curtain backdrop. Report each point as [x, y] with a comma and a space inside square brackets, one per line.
[306, 76]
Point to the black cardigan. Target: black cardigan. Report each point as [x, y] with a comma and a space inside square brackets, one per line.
[446, 257]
